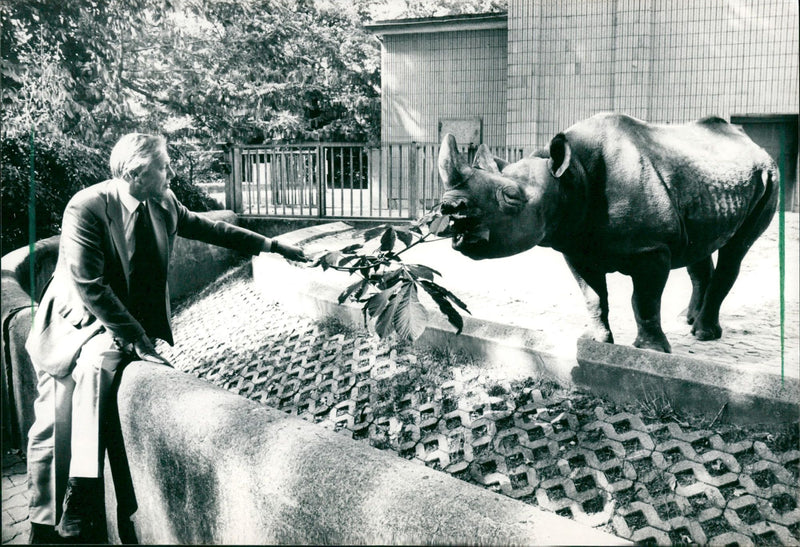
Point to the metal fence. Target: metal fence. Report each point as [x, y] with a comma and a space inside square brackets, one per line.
[339, 180]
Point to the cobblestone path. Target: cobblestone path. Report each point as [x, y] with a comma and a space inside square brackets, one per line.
[643, 475]
[15, 500]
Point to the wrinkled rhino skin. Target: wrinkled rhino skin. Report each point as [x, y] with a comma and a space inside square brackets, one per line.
[614, 193]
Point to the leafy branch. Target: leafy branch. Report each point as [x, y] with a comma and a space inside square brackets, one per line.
[389, 288]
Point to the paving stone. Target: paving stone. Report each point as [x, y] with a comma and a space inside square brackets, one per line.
[15, 514]
[10, 533]
[20, 499]
[21, 538]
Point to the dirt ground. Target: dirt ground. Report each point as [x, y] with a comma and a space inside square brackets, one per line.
[535, 290]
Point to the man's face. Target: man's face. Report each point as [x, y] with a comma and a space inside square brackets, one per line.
[151, 182]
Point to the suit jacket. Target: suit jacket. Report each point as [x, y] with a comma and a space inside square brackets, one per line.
[89, 288]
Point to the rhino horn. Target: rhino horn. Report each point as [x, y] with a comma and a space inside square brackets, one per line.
[560, 155]
[484, 159]
[451, 165]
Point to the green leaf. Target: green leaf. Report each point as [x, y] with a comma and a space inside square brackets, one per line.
[420, 271]
[409, 317]
[356, 287]
[388, 239]
[404, 235]
[344, 261]
[384, 323]
[361, 290]
[391, 278]
[378, 302]
[444, 292]
[352, 248]
[374, 232]
[330, 259]
[445, 306]
[440, 225]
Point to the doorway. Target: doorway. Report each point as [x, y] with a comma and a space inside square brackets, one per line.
[777, 134]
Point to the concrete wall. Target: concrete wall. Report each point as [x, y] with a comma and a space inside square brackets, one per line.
[193, 266]
[208, 467]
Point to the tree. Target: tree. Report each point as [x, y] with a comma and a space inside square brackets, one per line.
[78, 39]
[405, 9]
[235, 70]
[267, 70]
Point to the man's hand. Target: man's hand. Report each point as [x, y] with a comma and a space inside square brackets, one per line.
[146, 351]
[288, 251]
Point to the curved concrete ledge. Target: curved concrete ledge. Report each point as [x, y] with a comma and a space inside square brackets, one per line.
[18, 305]
[620, 372]
[207, 466]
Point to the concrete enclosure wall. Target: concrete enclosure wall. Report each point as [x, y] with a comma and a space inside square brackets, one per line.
[205, 466]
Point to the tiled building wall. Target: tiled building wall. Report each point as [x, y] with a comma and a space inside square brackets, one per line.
[660, 60]
[434, 76]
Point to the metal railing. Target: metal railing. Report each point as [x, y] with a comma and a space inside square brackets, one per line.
[338, 180]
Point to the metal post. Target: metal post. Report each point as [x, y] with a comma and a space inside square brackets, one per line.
[320, 176]
[230, 184]
[412, 180]
[235, 203]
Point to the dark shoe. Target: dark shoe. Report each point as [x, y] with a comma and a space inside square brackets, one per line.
[44, 534]
[80, 508]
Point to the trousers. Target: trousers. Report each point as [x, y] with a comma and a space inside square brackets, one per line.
[65, 439]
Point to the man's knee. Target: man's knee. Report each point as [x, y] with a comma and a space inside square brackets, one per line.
[99, 352]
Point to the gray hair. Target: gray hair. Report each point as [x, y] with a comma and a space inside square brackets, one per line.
[134, 151]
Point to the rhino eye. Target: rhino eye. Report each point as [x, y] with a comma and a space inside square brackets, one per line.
[510, 198]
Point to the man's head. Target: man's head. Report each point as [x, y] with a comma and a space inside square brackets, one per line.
[142, 161]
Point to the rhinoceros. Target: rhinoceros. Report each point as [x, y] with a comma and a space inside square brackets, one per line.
[616, 194]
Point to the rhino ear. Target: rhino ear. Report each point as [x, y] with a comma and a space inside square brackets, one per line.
[451, 165]
[486, 161]
[560, 155]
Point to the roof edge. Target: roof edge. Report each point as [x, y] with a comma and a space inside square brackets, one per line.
[447, 23]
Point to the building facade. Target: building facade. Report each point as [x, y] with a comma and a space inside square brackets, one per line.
[517, 79]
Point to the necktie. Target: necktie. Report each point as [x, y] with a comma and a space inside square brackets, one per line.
[147, 282]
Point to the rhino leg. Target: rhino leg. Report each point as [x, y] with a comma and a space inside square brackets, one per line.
[595, 292]
[706, 326]
[700, 273]
[729, 260]
[649, 272]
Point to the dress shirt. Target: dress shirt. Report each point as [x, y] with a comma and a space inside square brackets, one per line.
[129, 214]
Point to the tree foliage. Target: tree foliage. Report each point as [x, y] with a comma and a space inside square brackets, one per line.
[405, 9]
[228, 70]
[63, 169]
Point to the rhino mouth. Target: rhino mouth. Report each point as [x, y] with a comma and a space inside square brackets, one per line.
[467, 232]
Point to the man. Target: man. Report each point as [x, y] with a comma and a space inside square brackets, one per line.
[105, 304]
